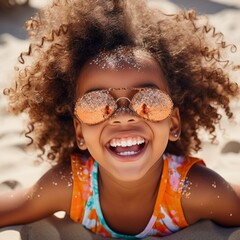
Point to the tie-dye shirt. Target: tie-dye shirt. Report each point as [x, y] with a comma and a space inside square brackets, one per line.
[167, 217]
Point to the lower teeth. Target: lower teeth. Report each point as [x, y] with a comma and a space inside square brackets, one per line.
[127, 153]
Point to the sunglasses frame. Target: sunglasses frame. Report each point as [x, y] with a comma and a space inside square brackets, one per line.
[109, 90]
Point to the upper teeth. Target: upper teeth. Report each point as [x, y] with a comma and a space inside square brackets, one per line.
[126, 142]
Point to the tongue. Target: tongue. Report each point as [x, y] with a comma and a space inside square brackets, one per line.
[134, 148]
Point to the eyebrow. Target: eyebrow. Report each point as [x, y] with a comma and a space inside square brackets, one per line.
[147, 85]
[94, 89]
[143, 85]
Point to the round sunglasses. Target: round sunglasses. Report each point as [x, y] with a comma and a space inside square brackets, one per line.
[97, 106]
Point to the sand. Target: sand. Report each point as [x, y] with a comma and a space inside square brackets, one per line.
[18, 170]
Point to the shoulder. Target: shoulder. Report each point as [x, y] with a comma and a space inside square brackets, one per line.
[58, 175]
[208, 196]
[54, 189]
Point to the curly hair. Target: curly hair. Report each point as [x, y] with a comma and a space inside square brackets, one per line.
[65, 35]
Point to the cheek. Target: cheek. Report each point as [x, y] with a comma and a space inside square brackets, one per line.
[161, 134]
[91, 135]
[162, 129]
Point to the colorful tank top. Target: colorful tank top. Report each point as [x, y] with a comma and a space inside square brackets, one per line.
[167, 217]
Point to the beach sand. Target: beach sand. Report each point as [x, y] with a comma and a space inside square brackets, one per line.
[18, 170]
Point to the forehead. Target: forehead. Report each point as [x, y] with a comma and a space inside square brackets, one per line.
[122, 58]
[118, 68]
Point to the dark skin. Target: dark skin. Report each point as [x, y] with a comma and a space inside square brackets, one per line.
[211, 197]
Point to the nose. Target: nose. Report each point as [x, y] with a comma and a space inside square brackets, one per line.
[123, 115]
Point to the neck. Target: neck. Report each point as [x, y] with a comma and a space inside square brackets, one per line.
[120, 201]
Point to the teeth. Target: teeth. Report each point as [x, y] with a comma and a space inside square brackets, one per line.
[126, 142]
[129, 153]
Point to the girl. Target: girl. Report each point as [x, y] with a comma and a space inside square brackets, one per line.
[116, 94]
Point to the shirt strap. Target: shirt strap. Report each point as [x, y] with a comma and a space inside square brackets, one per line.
[81, 174]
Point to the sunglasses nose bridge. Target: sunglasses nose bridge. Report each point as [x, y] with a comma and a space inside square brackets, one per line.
[124, 101]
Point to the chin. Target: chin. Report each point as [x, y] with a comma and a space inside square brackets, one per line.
[130, 175]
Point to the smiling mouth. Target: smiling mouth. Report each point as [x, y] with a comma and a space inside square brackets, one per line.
[126, 147]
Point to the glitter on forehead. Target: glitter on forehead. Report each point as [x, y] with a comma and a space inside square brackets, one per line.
[121, 58]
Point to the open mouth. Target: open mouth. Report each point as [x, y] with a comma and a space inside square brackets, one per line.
[129, 146]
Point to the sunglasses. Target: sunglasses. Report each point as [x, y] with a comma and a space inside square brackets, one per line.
[97, 106]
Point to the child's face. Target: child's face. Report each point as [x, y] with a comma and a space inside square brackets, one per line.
[106, 141]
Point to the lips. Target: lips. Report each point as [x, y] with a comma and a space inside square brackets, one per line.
[127, 146]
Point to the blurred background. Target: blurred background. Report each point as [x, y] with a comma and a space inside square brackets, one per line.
[17, 168]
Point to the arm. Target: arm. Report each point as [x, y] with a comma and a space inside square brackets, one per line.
[50, 194]
[210, 197]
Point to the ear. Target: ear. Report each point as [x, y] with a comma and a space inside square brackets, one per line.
[175, 127]
[78, 132]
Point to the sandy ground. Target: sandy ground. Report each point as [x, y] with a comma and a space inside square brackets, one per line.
[17, 168]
